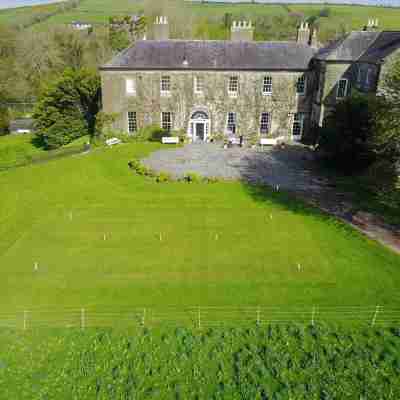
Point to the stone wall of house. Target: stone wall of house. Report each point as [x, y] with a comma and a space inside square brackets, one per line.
[250, 102]
[361, 77]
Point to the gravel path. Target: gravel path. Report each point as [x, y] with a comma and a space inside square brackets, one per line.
[291, 168]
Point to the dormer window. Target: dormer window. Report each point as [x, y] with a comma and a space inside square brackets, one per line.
[233, 87]
[342, 88]
[165, 85]
[267, 85]
[130, 86]
[301, 85]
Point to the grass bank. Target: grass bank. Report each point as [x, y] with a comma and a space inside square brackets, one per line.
[274, 362]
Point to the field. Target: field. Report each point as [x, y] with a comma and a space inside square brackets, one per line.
[341, 17]
[278, 362]
[103, 238]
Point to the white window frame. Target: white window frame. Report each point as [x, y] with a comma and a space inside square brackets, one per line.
[198, 88]
[268, 123]
[302, 78]
[164, 123]
[233, 84]
[298, 118]
[130, 86]
[132, 122]
[233, 124]
[267, 85]
[346, 88]
[165, 80]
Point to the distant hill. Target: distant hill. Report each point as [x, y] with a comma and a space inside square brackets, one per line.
[384, 3]
[25, 3]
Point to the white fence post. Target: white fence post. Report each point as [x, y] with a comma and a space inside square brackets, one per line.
[375, 315]
[83, 321]
[25, 320]
[199, 318]
[313, 316]
[258, 316]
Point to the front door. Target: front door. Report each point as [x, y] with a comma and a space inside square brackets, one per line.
[200, 131]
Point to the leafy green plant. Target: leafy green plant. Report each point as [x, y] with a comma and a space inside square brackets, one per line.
[150, 133]
[163, 177]
[192, 177]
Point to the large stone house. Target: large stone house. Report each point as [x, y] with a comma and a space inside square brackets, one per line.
[240, 86]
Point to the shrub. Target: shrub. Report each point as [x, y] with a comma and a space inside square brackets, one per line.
[139, 168]
[64, 131]
[192, 177]
[217, 137]
[152, 133]
[344, 137]
[163, 177]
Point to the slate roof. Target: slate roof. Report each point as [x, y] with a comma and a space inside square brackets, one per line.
[213, 55]
[386, 43]
[350, 48]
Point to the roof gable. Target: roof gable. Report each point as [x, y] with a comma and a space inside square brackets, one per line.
[349, 48]
[383, 46]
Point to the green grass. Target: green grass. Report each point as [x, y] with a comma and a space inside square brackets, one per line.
[18, 150]
[20, 15]
[341, 16]
[278, 362]
[219, 244]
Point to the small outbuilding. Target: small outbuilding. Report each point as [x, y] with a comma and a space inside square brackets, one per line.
[22, 125]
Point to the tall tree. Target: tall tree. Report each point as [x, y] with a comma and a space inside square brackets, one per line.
[67, 107]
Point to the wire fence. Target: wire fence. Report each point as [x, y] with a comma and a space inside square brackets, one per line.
[199, 317]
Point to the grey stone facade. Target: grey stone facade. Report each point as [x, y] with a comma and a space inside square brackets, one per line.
[132, 82]
[215, 101]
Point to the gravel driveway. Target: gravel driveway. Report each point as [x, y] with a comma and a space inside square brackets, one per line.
[291, 168]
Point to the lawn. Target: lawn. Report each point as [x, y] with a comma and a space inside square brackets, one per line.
[105, 238]
[18, 150]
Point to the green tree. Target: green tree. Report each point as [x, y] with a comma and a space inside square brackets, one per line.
[386, 140]
[67, 107]
[344, 139]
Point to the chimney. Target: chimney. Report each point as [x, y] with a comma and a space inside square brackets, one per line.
[314, 38]
[372, 25]
[161, 29]
[303, 33]
[242, 31]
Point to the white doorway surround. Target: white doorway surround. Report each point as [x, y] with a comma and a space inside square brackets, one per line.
[199, 127]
